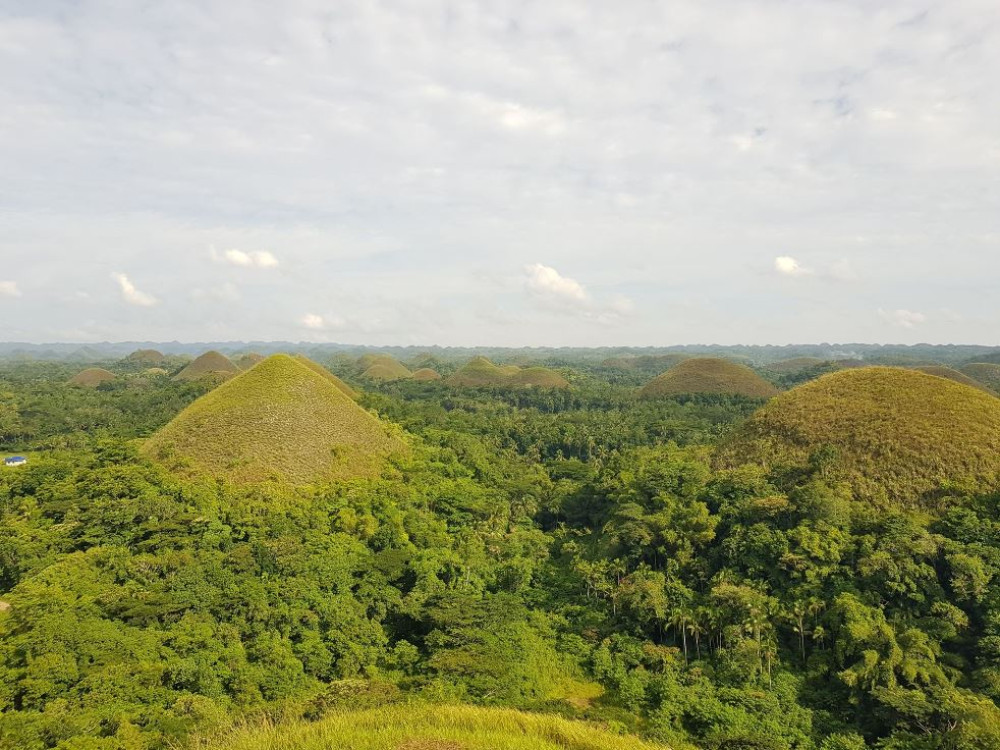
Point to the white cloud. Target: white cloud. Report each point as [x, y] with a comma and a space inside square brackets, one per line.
[902, 318]
[313, 321]
[788, 266]
[9, 289]
[547, 284]
[252, 259]
[132, 295]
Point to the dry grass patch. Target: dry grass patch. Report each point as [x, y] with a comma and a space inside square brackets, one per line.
[708, 375]
[279, 420]
[892, 433]
[92, 377]
[318, 368]
[210, 364]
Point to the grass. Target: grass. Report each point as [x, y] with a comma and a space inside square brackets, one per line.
[893, 433]
[318, 368]
[280, 420]
[92, 377]
[480, 372]
[208, 364]
[387, 369]
[986, 373]
[430, 727]
[941, 371]
[708, 375]
[248, 360]
[426, 373]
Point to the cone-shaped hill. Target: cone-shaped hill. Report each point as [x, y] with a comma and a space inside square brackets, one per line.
[366, 361]
[317, 367]
[947, 372]
[708, 375]
[246, 361]
[426, 374]
[986, 373]
[892, 433]
[149, 357]
[278, 420]
[482, 372]
[209, 364]
[387, 369]
[91, 377]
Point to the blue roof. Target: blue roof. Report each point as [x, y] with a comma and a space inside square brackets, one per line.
[12, 459]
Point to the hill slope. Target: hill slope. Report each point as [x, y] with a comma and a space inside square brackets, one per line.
[708, 375]
[92, 377]
[208, 364]
[416, 727]
[147, 357]
[948, 373]
[986, 373]
[890, 428]
[480, 371]
[280, 419]
[318, 368]
[387, 369]
[426, 374]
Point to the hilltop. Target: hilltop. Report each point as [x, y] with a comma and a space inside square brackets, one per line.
[430, 727]
[387, 368]
[208, 364]
[147, 357]
[948, 373]
[92, 377]
[280, 419]
[890, 432]
[246, 361]
[986, 373]
[318, 368]
[426, 374]
[482, 372]
[708, 375]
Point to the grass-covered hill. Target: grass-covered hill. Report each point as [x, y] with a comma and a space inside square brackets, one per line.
[316, 367]
[279, 420]
[387, 369]
[209, 364]
[427, 727]
[708, 375]
[426, 374]
[246, 361]
[949, 373]
[149, 357]
[986, 373]
[893, 433]
[91, 377]
[481, 372]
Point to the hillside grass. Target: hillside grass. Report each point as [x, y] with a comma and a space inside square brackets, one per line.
[948, 373]
[985, 373]
[319, 369]
[481, 372]
[430, 727]
[92, 377]
[893, 433]
[147, 357]
[426, 374]
[209, 364]
[708, 375]
[246, 361]
[387, 369]
[280, 420]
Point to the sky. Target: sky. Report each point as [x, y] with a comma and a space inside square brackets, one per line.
[488, 172]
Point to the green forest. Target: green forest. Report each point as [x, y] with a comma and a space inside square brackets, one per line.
[584, 562]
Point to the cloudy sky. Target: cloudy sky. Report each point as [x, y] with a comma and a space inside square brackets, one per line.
[500, 172]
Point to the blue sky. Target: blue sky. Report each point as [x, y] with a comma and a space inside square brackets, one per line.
[505, 173]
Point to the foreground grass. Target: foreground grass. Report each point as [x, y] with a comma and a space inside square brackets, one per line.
[429, 727]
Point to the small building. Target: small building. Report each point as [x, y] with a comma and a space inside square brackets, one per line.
[15, 461]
